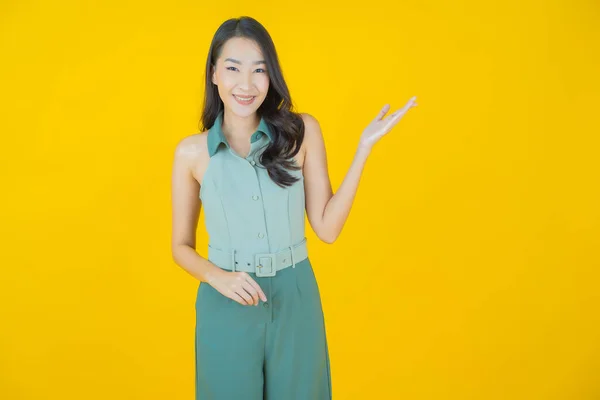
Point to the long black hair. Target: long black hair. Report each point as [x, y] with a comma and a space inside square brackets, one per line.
[277, 109]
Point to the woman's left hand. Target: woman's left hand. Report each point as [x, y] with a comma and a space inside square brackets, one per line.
[380, 126]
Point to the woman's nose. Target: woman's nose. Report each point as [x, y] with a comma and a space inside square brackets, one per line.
[246, 81]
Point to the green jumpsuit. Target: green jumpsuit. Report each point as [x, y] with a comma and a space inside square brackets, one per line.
[278, 349]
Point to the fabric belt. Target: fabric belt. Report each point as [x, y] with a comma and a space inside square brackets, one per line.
[262, 264]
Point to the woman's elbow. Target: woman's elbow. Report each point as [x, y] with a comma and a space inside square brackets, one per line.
[329, 239]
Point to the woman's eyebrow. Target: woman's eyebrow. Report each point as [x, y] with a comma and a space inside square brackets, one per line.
[233, 60]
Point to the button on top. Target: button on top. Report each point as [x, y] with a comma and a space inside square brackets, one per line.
[265, 305]
[254, 197]
[252, 162]
[261, 235]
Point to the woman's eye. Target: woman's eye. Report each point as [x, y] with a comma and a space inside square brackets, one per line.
[234, 68]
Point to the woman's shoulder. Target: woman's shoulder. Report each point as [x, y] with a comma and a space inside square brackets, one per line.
[313, 138]
[192, 146]
[192, 151]
[311, 125]
[308, 118]
[312, 129]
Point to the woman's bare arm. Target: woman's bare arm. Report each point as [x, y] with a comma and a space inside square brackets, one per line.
[186, 207]
[327, 212]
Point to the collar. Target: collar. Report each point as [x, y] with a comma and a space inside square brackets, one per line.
[216, 135]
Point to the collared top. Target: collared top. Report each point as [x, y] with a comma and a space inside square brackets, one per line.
[244, 210]
[216, 135]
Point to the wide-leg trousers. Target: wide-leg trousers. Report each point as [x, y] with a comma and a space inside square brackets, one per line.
[274, 351]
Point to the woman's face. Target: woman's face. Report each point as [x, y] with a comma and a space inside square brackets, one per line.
[241, 71]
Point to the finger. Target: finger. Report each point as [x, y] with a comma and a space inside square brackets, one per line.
[244, 295]
[257, 287]
[240, 289]
[383, 111]
[411, 102]
[251, 291]
[398, 113]
[394, 116]
[237, 298]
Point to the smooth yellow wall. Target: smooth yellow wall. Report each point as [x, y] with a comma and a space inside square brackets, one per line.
[468, 268]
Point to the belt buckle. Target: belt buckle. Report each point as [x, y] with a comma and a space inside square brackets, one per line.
[262, 268]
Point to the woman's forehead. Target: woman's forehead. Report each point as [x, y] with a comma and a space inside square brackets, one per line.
[242, 49]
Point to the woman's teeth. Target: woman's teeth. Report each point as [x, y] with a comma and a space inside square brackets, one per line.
[244, 100]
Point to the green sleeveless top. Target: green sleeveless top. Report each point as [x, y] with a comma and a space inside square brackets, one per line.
[245, 211]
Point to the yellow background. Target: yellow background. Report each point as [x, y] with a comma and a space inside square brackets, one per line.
[468, 268]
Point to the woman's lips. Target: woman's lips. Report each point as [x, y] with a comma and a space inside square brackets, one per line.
[244, 102]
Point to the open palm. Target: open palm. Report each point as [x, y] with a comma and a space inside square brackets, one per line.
[380, 126]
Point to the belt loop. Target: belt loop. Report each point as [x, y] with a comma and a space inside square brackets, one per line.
[293, 262]
[233, 260]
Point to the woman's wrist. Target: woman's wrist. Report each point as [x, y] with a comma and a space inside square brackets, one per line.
[364, 150]
[210, 275]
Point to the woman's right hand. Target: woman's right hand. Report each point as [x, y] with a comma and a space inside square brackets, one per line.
[238, 286]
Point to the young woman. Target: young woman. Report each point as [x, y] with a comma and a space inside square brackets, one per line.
[260, 331]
